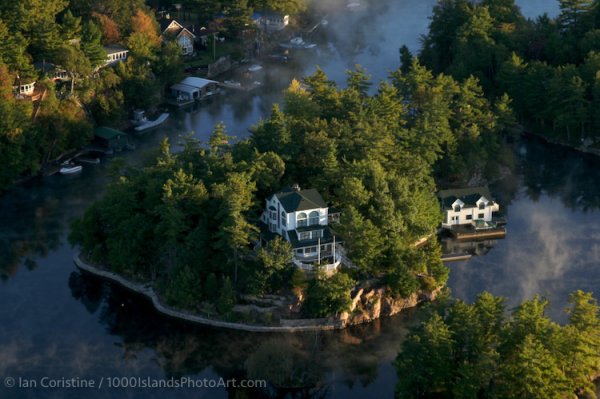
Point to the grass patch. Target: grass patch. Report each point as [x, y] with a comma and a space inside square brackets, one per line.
[205, 57]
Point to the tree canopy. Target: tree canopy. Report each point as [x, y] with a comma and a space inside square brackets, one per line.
[475, 350]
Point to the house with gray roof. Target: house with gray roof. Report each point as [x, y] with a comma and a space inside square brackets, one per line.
[467, 206]
[301, 217]
[173, 30]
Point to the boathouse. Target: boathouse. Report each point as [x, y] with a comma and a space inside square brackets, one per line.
[111, 139]
[467, 206]
[192, 88]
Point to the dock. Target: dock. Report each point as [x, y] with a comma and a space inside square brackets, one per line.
[240, 87]
[455, 257]
[470, 233]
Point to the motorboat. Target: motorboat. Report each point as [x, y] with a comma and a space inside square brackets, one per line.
[70, 169]
[297, 43]
[150, 124]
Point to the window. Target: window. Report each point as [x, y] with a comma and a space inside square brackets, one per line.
[481, 216]
[302, 219]
[283, 218]
[273, 215]
[313, 218]
[482, 205]
[469, 217]
[304, 235]
[317, 234]
[457, 208]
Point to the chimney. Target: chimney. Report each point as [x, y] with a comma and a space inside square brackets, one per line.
[295, 187]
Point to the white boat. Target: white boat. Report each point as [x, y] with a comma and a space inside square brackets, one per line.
[255, 68]
[70, 169]
[232, 83]
[150, 124]
[297, 43]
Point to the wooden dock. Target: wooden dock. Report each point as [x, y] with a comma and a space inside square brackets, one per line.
[456, 257]
[472, 234]
[240, 87]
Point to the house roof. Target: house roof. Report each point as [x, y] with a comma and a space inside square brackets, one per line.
[327, 238]
[302, 200]
[114, 48]
[108, 133]
[469, 196]
[166, 23]
[184, 88]
[196, 82]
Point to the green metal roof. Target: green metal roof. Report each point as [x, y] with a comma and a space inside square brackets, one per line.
[108, 133]
[467, 195]
[302, 200]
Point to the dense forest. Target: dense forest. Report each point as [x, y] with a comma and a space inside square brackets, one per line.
[71, 35]
[548, 67]
[189, 219]
[475, 351]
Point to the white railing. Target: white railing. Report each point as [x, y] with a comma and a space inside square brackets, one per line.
[327, 267]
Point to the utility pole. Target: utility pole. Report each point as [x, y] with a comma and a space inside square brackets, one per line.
[214, 46]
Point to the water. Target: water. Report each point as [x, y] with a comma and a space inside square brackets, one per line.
[55, 322]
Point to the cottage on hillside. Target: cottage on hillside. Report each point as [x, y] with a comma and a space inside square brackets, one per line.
[173, 30]
[115, 53]
[24, 88]
[467, 206]
[301, 217]
[270, 21]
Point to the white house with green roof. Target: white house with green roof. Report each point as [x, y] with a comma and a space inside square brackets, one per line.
[467, 206]
[301, 217]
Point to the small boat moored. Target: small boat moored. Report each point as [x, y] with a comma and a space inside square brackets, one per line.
[70, 169]
[297, 43]
[150, 124]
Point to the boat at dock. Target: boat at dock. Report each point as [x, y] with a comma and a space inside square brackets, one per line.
[70, 169]
[151, 124]
[297, 43]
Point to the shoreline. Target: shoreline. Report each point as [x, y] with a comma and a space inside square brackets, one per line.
[144, 289]
[580, 149]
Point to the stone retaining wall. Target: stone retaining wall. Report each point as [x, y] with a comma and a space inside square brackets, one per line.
[368, 304]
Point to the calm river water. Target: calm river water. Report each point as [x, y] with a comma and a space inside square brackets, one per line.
[56, 323]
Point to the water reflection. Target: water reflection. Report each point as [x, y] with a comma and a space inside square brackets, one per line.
[295, 365]
[552, 245]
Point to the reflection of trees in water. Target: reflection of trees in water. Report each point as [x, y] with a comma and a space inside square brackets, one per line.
[27, 235]
[295, 365]
[568, 175]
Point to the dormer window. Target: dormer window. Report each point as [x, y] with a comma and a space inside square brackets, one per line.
[456, 208]
[302, 219]
[482, 205]
[313, 218]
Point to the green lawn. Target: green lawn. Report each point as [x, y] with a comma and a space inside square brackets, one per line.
[206, 57]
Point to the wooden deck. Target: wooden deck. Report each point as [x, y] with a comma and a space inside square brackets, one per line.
[465, 232]
[455, 257]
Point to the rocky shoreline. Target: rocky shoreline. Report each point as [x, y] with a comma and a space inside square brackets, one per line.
[368, 304]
